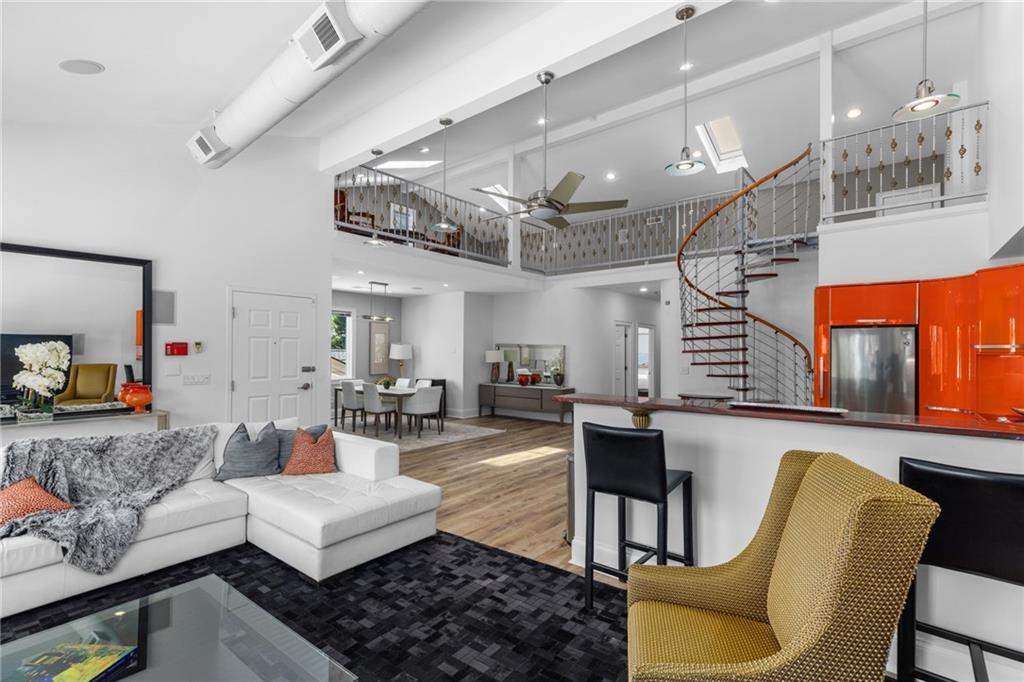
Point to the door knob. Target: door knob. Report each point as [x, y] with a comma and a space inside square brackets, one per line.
[305, 387]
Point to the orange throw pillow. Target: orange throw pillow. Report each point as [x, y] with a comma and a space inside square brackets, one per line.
[311, 455]
[27, 497]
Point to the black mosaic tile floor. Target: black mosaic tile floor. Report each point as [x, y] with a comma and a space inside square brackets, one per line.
[444, 608]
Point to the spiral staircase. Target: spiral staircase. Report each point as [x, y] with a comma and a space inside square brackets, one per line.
[746, 239]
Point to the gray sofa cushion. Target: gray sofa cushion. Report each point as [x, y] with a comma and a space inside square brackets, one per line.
[286, 440]
[244, 457]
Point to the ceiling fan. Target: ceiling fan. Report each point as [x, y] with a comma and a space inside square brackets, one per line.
[550, 206]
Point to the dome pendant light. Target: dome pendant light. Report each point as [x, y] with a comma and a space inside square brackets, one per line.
[445, 224]
[926, 102]
[686, 165]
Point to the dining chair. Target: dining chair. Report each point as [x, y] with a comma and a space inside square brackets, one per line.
[372, 404]
[424, 383]
[403, 382]
[425, 402]
[351, 402]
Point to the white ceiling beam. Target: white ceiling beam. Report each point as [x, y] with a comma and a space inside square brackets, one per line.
[566, 38]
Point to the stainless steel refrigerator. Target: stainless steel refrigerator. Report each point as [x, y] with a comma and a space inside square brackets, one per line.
[874, 369]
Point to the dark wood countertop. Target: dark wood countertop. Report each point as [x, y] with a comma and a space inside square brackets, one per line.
[957, 425]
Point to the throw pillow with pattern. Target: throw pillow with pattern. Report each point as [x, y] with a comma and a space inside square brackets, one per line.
[312, 455]
[27, 497]
[244, 457]
[286, 441]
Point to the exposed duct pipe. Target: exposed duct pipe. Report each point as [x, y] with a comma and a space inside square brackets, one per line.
[335, 37]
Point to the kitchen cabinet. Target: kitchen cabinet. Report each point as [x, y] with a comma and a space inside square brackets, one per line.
[822, 329]
[1001, 308]
[947, 333]
[873, 304]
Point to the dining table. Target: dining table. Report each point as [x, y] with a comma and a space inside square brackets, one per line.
[399, 394]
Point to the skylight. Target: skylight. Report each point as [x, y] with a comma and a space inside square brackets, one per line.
[722, 143]
[407, 164]
[503, 203]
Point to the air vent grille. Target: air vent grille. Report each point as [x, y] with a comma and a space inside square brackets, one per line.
[325, 32]
[203, 146]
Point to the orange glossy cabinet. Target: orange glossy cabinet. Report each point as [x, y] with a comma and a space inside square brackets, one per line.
[1001, 308]
[946, 335]
[822, 338]
[873, 304]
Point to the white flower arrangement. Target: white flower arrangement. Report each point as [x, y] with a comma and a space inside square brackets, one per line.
[44, 366]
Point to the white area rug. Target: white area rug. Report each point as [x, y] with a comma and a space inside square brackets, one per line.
[454, 432]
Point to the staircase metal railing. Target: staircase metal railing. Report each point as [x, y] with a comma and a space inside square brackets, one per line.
[373, 203]
[745, 239]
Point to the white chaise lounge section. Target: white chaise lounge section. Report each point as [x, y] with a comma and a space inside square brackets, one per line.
[320, 524]
[323, 524]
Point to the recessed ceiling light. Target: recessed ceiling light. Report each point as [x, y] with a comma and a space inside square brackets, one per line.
[697, 153]
[445, 286]
[833, 118]
[610, 175]
[686, 66]
[424, 150]
[643, 290]
[82, 67]
[360, 272]
[854, 112]
[540, 121]
[119, 613]
[375, 243]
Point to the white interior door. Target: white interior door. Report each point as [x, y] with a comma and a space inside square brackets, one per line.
[272, 350]
[620, 359]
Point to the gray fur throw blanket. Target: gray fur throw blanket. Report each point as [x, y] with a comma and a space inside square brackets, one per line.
[110, 480]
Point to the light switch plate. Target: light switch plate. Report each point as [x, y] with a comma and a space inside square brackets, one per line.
[172, 369]
[196, 379]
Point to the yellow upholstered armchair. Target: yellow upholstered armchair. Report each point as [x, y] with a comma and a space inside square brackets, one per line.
[815, 597]
[89, 385]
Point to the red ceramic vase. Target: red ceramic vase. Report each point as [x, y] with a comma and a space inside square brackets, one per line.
[125, 388]
[139, 395]
[524, 379]
[535, 378]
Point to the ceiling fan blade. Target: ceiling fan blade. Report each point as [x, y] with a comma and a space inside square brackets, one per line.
[566, 187]
[557, 221]
[500, 195]
[588, 206]
[505, 215]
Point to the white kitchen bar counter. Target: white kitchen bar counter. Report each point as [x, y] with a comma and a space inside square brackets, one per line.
[734, 456]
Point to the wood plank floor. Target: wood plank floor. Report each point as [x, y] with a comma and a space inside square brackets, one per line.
[507, 490]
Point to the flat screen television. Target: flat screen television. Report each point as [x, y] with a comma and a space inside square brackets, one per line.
[11, 365]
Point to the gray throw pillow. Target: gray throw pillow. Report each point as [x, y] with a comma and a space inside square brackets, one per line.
[286, 440]
[244, 457]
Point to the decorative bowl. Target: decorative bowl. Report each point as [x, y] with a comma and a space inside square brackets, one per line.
[524, 379]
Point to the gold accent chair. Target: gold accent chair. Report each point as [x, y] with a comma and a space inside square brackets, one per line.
[88, 385]
[814, 597]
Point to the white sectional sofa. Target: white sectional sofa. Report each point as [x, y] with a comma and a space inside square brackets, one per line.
[321, 524]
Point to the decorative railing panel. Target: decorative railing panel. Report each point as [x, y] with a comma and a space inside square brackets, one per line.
[373, 203]
[936, 161]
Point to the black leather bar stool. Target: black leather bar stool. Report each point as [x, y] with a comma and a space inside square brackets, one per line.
[979, 532]
[630, 464]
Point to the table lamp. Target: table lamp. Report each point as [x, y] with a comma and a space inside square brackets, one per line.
[495, 357]
[401, 352]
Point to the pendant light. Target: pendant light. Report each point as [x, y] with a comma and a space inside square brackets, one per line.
[378, 318]
[926, 102]
[686, 165]
[445, 224]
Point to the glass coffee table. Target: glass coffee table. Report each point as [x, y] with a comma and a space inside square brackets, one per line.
[200, 630]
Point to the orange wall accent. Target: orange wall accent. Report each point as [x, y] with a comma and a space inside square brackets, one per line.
[874, 304]
[821, 347]
[1001, 306]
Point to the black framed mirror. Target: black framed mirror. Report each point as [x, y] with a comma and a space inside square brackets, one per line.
[99, 306]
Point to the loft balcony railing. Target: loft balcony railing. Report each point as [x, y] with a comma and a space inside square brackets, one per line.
[373, 203]
[933, 162]
[636, 237]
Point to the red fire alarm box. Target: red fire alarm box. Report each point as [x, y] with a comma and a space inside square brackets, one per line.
[176, 348]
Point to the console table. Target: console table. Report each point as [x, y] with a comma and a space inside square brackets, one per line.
[531, 398]
[85, 424]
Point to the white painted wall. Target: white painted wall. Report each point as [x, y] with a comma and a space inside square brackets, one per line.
[434, 325]
[1001, 80]
[94, 302]
[359, 305]
[262, 222]
[479, 337]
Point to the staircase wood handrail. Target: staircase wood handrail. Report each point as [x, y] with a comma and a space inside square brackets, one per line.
[711, 215]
